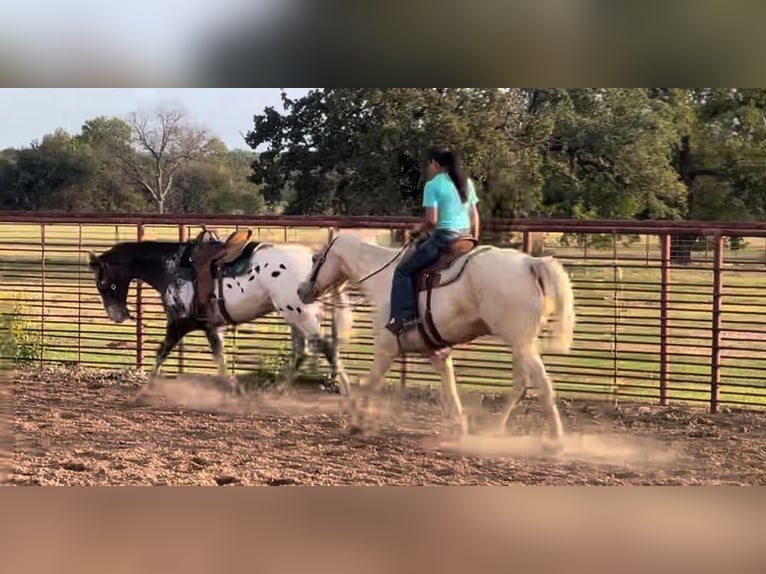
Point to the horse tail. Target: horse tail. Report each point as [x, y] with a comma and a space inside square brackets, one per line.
[342, 315]
[558, 301]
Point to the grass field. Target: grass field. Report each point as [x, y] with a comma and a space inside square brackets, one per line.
[617, 290]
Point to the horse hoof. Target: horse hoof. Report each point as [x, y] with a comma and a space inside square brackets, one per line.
[553, 447]
[466, 424]
[141, 399]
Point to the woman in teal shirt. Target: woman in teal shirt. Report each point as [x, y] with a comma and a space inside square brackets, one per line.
[450, 201]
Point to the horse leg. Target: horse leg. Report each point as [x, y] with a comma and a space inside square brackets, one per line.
[451, 405]
[174, 332]
[216, 347]
[376, 377]
[297, 357]
[289, 372]
[330, 350]
[533, 364]
[514, 395]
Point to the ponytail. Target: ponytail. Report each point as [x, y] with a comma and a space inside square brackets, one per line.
[451, 161]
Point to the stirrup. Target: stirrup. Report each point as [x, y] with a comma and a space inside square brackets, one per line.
[399, 326]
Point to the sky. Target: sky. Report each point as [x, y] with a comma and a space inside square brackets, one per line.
[28, 114]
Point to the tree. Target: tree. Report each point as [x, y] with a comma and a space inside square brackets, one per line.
[605, 153]
[108, 139]
[54, 174]
[218, 183]
[361, 150]
[163, 143]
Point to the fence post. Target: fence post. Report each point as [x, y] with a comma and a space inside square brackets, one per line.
[79, 296]
[139, 311]
[715, 351]
[182, 238]
[42, 293]
[664, 308]
[617, 302]
[525, 242]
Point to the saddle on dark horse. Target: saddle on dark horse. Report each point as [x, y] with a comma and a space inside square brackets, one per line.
[213, 259]
[444, 271]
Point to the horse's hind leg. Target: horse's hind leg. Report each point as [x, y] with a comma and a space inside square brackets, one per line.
[515, 394]
[329, 348]
[533, 364]
[285, 378]
[216, 346]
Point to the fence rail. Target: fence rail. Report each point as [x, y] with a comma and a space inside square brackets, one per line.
[666, 311]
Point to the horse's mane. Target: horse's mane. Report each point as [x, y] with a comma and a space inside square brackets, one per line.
[128, 251]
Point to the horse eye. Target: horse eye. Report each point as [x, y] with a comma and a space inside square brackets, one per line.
[114, 287]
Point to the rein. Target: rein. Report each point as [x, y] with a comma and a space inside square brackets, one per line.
[366, 277]
[323, 258]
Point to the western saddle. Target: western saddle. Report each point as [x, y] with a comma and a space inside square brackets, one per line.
[430, 277]
[444, 271]
[209, 256]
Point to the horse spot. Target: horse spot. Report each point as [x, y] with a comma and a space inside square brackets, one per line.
[290, 308]
[299, 310]
[257, 268]
[265, 265]
[282, 266]
[242, 289]
[229, 285]
[251, 277]
[275, 273]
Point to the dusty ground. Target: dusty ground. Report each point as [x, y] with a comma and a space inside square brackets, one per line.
[76, 427]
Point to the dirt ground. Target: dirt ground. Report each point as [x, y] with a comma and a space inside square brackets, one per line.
[78, 427]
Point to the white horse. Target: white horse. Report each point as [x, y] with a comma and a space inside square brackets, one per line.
[263, 279]
[486, 291]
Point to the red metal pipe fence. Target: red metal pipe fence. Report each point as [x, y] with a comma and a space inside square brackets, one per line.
[653, 323]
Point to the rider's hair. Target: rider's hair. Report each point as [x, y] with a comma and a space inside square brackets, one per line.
[451, 161]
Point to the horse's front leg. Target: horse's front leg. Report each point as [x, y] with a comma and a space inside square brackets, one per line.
[174, 332]
[215, 341]
[451, 405]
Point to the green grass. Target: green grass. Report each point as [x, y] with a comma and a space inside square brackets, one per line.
[617, 346]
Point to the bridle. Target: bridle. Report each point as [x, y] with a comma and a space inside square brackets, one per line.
[318, 265]
[323, 257]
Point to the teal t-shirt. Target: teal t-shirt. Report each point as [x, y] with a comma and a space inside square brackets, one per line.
[442, 194]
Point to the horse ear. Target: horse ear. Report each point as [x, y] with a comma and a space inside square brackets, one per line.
[93, 261]
[333, 233]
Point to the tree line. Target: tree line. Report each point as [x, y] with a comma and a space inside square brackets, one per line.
[148, 162]
[627, 153]
[643, 153]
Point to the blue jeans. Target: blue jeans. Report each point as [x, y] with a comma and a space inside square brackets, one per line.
[404, 303]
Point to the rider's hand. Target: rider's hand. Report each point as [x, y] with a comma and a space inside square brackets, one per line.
[418, 230]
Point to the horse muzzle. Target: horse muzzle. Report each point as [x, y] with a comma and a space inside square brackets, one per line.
[118, 314]
[307, 292]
